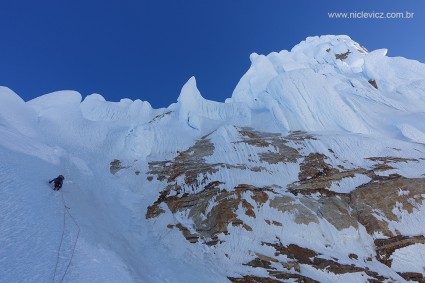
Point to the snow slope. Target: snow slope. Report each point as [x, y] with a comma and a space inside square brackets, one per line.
[360, 104]
[115, 244]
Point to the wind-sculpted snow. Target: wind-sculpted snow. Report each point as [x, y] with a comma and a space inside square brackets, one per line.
[278, 191]
[324, 83]
[313, 171]
[195, 110]
[95, 108]
[15, 115]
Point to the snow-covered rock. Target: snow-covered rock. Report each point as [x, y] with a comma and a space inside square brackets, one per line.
[313, 169]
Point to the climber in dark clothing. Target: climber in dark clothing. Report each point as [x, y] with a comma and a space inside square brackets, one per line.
[58, 182]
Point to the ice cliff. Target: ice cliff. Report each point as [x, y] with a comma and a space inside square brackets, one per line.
[312, 171]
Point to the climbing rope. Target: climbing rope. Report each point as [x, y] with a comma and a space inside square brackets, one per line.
[66, 211]
[76, 239]
[60, 245]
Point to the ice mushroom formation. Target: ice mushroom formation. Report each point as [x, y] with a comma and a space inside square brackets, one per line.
[312, 171]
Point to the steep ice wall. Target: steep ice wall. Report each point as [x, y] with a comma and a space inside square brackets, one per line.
[332, 83]
[96, 108]
[19, 129]
[60, 119]
[327, 83]
[195, 110]
[15, 114]
[249, 144]
[324, 54]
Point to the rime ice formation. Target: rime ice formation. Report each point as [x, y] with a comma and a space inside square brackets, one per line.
[313, 169]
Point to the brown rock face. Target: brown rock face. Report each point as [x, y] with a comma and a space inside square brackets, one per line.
[209, 224]
[382, 194]
[373, 83]
[214, 206]
[386, 247]
[116, 166]
[284, 153]
[314, 259]
[342, 56]
[190, 164]
[253, 279]
[316, 175]
[192, 238]
[303, 214]
[413, 276]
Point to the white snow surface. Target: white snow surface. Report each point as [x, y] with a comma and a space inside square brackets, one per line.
[306, 88]
[411, 258]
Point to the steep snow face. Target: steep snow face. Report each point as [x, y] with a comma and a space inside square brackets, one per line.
[284, 204]
[52, 135]
[316, 159]
[332, 83]
[95, 108]
[15, 114]
[20, 130]
[196, 111]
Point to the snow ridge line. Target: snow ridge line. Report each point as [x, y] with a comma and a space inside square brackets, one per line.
[66, 208]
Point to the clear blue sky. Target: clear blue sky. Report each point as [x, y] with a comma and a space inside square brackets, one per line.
[148, 49]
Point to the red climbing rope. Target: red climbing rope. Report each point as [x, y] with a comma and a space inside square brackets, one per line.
[76, 239]
[60, 245]
[66, 211]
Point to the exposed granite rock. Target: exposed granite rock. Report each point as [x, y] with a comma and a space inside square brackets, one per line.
[273, 222]
[413, 276]
[116, 166]
[253, 279]
[337, 212]
[192, 238]
[159, 117]
[283, 276]
[209, 224]
[261, 262]
[212, 206]
[317, 176]
[381, 195]
[342, 56]
[392, 159]
[283, 153]
[386, 247]
[373, 83]
[189, 163]
[303, 215]
[314, 259]
[294, 276]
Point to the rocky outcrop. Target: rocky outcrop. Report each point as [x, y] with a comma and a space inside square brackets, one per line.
[413, 276]
[373, 83]
[284, 153]
[213, 206]
[116, 166]
[386, 247]
[342, 56]
[208, 224]
[298, 256]
[381, 196]
[307, 256]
